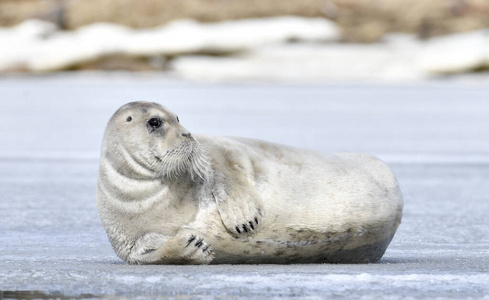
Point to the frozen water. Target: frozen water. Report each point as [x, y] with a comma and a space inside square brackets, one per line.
[435, 136]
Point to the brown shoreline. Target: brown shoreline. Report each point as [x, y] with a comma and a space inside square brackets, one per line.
[359, 20]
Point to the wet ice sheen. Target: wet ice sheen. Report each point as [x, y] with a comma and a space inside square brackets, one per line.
[435, 137]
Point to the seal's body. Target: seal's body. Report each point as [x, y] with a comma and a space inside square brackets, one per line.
[165, 195]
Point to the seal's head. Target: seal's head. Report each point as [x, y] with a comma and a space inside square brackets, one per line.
[144, 139]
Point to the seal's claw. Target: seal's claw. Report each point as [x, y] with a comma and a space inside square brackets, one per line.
[240, 220]
[191, 239]
[247, 227]
[199, 243]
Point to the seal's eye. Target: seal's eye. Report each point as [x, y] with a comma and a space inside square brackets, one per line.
[154, 122]
[129, 119]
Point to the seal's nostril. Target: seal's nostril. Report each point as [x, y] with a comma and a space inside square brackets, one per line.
[186, 134]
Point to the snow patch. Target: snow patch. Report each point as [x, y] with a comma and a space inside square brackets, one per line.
[253, 49]
[39, 51]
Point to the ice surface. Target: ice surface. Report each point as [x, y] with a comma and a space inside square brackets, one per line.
[435, 137]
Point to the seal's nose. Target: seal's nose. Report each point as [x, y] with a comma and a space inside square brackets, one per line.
[186, 134]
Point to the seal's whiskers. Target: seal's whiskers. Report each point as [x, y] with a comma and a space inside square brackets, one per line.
[189, 158]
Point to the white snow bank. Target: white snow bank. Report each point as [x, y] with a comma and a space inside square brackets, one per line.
[189, 36]
[65, 49]
[399, 57]
[28, 29]
[456, 53]
[18, 44]
[304, 63]
[254, 49]
[58, 50]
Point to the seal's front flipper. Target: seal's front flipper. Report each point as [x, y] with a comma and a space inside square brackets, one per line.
[185, 249]
[234, 173]
[240, 208]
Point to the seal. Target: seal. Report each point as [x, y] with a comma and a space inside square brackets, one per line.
[165, 196]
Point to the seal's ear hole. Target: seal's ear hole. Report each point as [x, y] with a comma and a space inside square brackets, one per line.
[129, 119]
[178, 120]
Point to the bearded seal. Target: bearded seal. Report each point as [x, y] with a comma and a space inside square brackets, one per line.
[165, 196]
